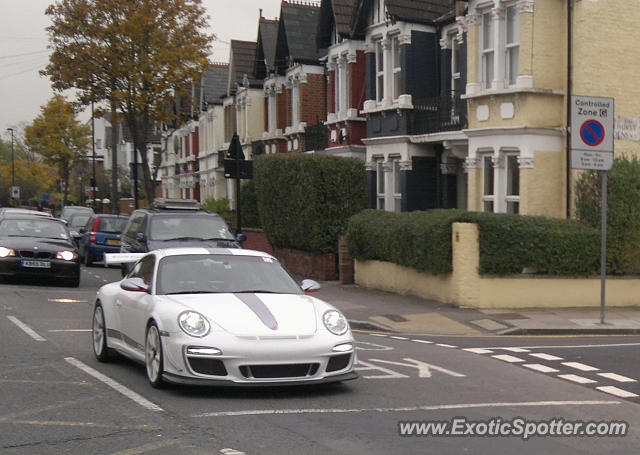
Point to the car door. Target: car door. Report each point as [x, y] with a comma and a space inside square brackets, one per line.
[134, 307]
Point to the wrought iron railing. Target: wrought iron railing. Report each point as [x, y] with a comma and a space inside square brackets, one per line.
[443, 113]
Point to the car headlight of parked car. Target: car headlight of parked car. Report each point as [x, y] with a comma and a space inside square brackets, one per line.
[335, 322]
[193, 324]
[66, 255]
[6, 252]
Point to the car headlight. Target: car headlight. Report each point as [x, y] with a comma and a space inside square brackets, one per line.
[6, 252]
[335, 322]
[193, 324]
[66, 255]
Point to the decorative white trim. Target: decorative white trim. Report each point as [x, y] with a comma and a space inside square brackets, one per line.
[525, 162]
[474, 19]
[406, 165]
[448, 168]
[472, 163]
[404, 38]
[526, 6]
[497, 162]
[507, 110]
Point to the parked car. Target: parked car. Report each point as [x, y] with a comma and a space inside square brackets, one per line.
[100, 235]
[69, 210]
[76, 222]
[38, 247]
[220, 317]
[174, 223]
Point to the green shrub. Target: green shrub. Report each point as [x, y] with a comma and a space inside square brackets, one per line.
[250, 216]
[509, 244]
[623, 212]
[305, 201]
[219, 206]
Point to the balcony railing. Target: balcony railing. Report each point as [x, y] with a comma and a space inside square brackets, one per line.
[316, 137]
[443, 113]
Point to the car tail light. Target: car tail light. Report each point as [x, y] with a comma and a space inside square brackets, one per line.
[94, 229]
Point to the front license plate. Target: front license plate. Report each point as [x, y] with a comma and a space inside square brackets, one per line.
[37, 264]
[113, 242]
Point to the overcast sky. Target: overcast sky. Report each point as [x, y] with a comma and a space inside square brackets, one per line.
[23, 49]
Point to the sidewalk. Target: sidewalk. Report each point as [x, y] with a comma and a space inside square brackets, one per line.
[370, 309]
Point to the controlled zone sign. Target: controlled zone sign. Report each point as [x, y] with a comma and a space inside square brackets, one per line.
[592, 132]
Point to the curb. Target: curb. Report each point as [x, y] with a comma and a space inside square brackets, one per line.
[568, 331]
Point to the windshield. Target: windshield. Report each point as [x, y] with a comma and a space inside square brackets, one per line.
[77, 221]
[35, 227]
[206, 273]
[112, 225]
[189, 227]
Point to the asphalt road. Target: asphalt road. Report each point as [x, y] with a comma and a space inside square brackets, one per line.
[56, 398]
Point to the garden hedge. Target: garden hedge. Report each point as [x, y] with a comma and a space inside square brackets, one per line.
[509, 244]
[305, 201]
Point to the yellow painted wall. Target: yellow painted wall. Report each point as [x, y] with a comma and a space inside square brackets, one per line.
[542, 190]
[530, 109]
[549, 42]
[464, 287]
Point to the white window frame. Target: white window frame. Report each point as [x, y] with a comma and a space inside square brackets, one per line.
[380, 184]
[295, 103]
[379, 69]
[512, 200]
[395, 58]
[512, 48]
[488, 171]
[272, 112]
[396, 184]
[487, 48]
[337, 82]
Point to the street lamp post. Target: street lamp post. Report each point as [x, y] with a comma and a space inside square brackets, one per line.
[13, 169]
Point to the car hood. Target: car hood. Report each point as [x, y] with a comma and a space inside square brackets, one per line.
[247, 314]
[30, 243]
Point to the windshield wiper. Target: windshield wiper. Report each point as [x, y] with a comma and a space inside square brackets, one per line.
[219, 239]
[181, 238]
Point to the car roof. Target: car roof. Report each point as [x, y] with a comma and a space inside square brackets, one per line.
[20, 216]
[16, 211]
[165, 252]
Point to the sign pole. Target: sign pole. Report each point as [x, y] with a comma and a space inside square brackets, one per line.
[603, 247]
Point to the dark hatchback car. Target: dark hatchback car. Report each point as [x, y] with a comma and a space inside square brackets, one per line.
[175, 224]
[100, 235]
[37, 247]
[76, 222]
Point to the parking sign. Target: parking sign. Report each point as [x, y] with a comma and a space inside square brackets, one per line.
[592, 132]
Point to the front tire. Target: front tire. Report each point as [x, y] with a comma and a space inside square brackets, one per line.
[99, 333]
[154, 360]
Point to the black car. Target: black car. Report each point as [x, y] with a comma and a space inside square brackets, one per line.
[175, 223]
[76, 222]
[37, 247]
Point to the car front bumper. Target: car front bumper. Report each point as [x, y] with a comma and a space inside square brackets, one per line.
[247, 361]
[58, 268]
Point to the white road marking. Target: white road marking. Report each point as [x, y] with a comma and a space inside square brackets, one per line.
[69, 330]
[508, 358]
[253, 412]
[374, 346]
[616, 377]
[423, 341]
[26, 329]
[580, 366]
[478, 350]
[543, 356]
[516, 349]
[424, 369]
[617, 392]
[390, 374]
[611, 345]
[442, 345]
[576, 378]
[539, 367]
[230, 451]
[377, 334]
[114, 385]
[398, 338]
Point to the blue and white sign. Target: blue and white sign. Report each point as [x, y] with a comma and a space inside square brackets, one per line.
[592, 132]
[15, 192]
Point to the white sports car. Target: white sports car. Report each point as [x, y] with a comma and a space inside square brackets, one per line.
[220, 316]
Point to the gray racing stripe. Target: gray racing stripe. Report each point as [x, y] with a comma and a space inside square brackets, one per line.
[260, 309]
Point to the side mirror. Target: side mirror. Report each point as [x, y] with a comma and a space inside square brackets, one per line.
[241, 237]
[310, 286]
[134, 285]
[140, 237]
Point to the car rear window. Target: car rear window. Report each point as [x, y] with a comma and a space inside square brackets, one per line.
[112, 225]
[194, 227]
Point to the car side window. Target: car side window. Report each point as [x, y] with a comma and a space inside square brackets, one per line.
[144, 269]
[135, 225]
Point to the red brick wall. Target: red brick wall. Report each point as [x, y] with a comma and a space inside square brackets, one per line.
[331, 88]
[357, 84]
[312, 99]
[257, 240]
[283, 109]
[196, 142]
[317, 266]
